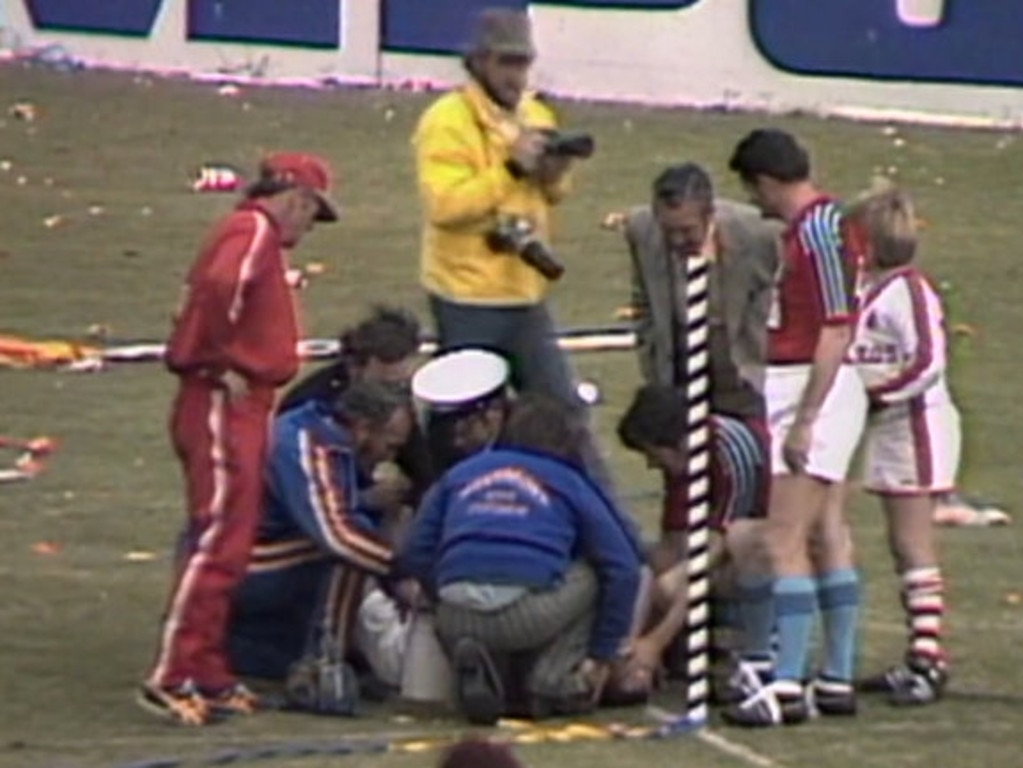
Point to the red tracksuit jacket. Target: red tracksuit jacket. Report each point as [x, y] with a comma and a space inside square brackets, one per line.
[238, 311]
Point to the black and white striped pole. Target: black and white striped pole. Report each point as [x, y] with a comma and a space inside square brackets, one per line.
[697, 368]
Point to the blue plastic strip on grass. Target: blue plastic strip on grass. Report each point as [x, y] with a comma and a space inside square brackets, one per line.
[669, 726]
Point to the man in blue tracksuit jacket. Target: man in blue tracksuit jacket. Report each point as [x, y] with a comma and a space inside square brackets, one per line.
[316, 544]
[524, 554]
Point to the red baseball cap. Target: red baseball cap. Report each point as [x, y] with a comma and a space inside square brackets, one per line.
[304, 170]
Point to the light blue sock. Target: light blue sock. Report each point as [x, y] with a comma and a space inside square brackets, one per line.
[838, 595]
[795, 606]
[756, 616]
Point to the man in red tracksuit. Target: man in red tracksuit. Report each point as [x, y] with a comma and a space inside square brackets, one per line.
[234, 343]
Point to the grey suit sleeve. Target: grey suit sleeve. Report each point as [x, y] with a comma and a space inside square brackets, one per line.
[639, 300]
[767, 247]
[762, 262]
[764, 265]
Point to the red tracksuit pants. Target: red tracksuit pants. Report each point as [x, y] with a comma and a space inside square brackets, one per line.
[222, 445]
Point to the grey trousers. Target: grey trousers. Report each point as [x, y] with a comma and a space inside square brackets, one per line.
[556, 624]
[526, 336]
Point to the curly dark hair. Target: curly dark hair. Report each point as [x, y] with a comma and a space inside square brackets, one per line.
[372, 402]
[389, 334]
[656, 418]
[772, 153]
[541, 423]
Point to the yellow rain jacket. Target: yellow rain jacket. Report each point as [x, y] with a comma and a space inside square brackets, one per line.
[461, 143]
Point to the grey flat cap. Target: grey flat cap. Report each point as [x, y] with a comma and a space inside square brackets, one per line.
[503, 31]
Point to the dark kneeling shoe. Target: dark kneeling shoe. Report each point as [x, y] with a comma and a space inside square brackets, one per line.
[478, 683]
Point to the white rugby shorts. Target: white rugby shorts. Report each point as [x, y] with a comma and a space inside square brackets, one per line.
[912, 448]
[838, 428]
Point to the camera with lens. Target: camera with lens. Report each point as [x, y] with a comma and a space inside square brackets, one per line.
[569, 144]
[516, 235]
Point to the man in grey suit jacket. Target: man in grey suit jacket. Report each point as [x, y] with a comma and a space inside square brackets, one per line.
[745, 260]
[683, 220]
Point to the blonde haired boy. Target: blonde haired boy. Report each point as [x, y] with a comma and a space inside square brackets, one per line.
[913, 434]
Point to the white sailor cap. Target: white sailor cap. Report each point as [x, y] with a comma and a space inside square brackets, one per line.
[460, 381]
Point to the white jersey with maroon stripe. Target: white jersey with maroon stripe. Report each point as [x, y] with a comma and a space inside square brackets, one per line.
[900, 350]
[899, 347]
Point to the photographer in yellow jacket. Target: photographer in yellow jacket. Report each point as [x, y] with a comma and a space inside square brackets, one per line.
[491, 165]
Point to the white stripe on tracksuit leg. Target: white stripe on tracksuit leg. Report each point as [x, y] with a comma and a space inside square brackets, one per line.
[197, 560]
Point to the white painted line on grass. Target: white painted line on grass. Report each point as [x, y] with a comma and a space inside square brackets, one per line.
[933, 726]
[896, 628]
[736, 750]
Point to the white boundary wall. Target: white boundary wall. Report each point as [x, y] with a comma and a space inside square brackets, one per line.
[168, 48]
[701, 56]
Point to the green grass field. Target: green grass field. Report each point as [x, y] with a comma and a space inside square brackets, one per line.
[77, 627]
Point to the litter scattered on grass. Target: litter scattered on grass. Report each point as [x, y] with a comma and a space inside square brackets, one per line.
[31, 459]
[214, 177]
[24, 111]
[139, 556]
[46, 548]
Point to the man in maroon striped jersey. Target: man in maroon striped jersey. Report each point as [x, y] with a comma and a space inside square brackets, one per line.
[816, 407]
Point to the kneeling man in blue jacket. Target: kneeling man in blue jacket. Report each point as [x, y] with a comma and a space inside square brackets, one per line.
[295, 615]
[522, 554]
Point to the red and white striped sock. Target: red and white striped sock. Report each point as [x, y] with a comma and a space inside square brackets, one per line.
[923, 597]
